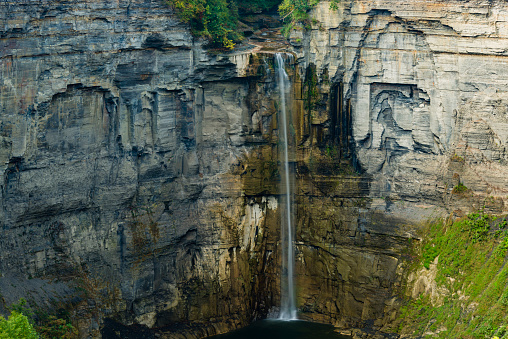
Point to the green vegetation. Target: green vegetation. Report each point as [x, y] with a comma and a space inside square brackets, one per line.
[217, 20]
[429, 255]
[24, 323]
[17, 326]
[460, 188]
[295, 12]
[472, 267]
[22, 308]
[52, 327]
[214, 19]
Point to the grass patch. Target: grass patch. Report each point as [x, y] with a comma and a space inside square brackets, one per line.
[460, 188]
[472, 266]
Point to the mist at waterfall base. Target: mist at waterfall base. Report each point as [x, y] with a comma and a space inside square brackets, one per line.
[280, 329]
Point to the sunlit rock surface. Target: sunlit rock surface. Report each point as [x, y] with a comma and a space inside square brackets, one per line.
[415, 94]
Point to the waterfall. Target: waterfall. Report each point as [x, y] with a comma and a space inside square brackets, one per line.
[288, 304]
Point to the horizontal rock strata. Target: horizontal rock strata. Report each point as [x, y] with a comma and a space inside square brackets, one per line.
[142, 172]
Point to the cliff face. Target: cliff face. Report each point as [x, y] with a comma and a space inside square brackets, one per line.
[420, 80]
[421, 108]
[122, 144]
[141, 171]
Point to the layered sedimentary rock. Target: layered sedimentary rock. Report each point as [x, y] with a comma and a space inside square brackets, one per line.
[122, 150]
[421, 92]
[421, 81]
[142, 171]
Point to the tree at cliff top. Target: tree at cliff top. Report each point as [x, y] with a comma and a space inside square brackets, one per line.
[295, 12]
[213, 19]
[217, 20]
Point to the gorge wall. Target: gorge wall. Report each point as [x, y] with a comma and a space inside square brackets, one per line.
[424, 85]
[140, 181]
[122, 151]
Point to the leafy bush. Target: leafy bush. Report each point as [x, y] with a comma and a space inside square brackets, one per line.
[478, 225]
[430, 252]
[17, 327]
[296, 12]
[22, 308]
[48, 326]
[53, 327]
[460, 188]
[214, 19]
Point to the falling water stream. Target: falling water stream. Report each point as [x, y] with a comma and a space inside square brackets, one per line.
[282, 328]
[288, 304]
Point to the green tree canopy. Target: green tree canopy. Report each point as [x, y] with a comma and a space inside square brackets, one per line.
[217, 20]
[214, 19]
[17, 327]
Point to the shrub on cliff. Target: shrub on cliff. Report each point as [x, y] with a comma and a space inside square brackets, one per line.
[56, 328]
[17, 326]
[469, 297]
[296, 12]
[213, 19]
[44, 325]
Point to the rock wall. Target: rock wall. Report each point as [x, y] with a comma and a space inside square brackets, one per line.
[140, 173]
[413, 94]
[122, 149]
[413, 75]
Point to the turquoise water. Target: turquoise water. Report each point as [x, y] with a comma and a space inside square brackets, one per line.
[279, 329]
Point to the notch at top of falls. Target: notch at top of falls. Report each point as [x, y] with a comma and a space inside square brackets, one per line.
[288, 300]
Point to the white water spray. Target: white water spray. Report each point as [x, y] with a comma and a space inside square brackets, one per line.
[288, 304]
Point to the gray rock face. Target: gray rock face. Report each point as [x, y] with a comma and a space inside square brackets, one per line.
[412, 73]
[142, 172]
[420, 88]
[119, 140]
